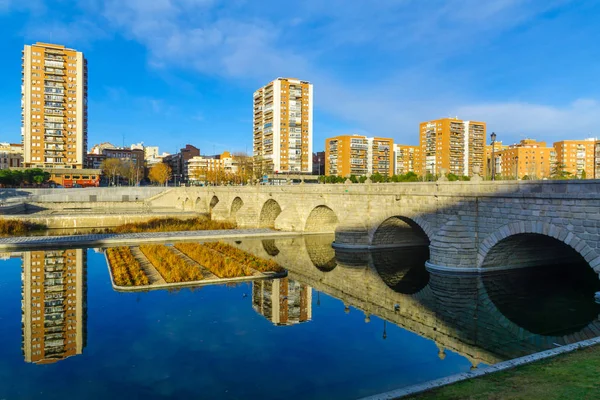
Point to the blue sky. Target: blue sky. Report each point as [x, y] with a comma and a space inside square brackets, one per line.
[171, 72]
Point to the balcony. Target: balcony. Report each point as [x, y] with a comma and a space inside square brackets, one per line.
[54, 78]
[52, 71]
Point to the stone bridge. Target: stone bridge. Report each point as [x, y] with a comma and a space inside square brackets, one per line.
[469, 226]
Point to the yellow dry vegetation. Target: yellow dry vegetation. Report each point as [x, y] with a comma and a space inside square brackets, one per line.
[215, 262]
[126, 270]
[244, 257]
[173, 225]
[172, 267]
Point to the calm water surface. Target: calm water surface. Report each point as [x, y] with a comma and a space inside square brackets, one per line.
[341, 326]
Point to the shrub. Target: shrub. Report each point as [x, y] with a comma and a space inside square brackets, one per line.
[13, 227]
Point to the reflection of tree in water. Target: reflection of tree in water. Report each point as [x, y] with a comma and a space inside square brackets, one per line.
[402, 269]
[270, 247]
[320, 252]
[546, 300]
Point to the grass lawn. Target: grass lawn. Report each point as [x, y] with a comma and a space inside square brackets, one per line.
[574, 375]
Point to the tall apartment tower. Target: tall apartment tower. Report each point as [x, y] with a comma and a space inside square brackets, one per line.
[283, 126]
[54, 297]
[54, 107]
[282, 301]
[453, 144]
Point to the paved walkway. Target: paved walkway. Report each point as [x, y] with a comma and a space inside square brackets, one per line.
[154, 277]
[111, 239]
[206, 274]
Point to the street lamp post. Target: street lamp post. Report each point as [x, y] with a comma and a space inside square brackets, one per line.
[493, 137]
[517, 167]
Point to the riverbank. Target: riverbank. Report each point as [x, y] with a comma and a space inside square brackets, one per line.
[568, 376]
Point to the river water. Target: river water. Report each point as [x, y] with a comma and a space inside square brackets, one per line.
[340, 326]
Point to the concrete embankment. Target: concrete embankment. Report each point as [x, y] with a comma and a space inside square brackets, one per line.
[110, 240]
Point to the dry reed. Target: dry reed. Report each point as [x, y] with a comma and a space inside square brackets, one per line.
[244, 257]
[215, 262]
[172, 267]
[126, 270]
[173, 225]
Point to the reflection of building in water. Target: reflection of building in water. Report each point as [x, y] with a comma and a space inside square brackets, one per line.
[53, 305]
[282, 301]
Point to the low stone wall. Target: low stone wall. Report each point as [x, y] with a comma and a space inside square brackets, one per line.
[139, 206]
[117, 194]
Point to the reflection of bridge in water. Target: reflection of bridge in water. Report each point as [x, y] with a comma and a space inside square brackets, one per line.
[486, 318]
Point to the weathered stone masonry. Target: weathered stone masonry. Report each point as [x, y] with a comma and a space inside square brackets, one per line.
[462, 221]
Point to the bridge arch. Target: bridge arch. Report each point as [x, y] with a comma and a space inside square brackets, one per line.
[186, 203]
[320, 252]
[402, 270]
[270, 247]
[198, 203]
[321, 219]
[269, 213]
[541, 238]
[236, 204]
[213, 202]
[558, 305]
[399, 230]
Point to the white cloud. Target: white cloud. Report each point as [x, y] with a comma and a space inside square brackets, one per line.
[252, 42]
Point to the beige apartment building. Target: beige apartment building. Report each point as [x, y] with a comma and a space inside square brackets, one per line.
[407, 159]
[454, 145]
[283, 127]
[11, 155]
[527, 159]
[577, 157]
[54, 107]
[53, 305]
[202, 168]
[597, 160]
[359, 155]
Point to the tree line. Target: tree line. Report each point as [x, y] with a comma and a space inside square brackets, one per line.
[33, 176]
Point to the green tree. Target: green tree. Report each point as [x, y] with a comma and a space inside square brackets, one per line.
[583, 174]
[452, 177]
[559, 172]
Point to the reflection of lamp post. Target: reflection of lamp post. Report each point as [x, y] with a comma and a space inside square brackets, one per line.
[384, 329]
[318, 298]
[493, 137]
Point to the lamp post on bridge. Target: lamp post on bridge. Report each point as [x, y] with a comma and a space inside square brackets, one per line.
[493, 137]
